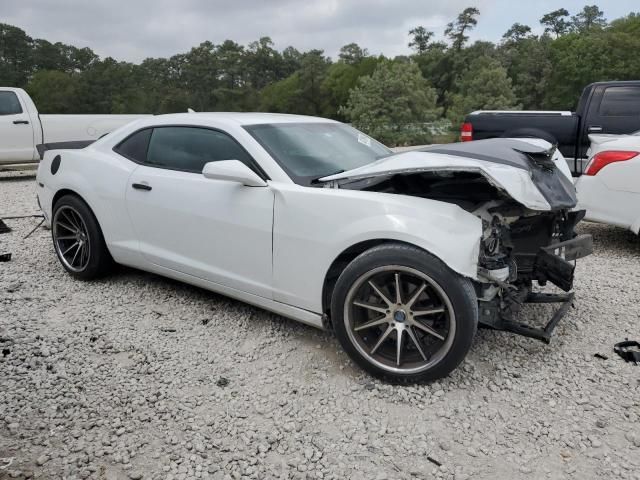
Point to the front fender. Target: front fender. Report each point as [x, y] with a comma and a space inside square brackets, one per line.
[444, 230]
[312, 227]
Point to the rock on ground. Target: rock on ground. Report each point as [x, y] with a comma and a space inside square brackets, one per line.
[123, 378]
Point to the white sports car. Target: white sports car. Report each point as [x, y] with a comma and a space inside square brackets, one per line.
[401, 255]
[609, 189]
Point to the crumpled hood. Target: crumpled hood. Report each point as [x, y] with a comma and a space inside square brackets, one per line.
[526, 171]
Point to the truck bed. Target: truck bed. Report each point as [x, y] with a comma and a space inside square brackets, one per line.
[494, 124]
[59, 128]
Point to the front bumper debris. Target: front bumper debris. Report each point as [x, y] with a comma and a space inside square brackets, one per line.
[503, 319]
[629, 350]
[552, 263]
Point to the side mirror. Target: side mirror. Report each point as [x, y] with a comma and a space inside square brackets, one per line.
[232, 171]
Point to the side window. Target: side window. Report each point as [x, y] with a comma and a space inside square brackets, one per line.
[9, 104]
[135, 146]
[190, 148]
[620, 102]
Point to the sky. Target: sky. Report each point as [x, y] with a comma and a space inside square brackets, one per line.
[132, 30]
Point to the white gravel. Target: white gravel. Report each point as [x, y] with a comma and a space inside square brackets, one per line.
[137, 376]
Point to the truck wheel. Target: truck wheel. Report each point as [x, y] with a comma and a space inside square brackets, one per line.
[402, 315]
[78, 240]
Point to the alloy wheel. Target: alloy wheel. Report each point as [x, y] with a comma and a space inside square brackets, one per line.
[71, 238]
[399, 319]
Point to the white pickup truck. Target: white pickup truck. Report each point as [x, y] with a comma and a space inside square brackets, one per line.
[23, 131]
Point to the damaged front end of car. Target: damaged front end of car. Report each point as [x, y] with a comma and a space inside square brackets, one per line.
[519, 248]
[525, 199]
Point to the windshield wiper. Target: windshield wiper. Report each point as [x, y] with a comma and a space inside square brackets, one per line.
[315, 180]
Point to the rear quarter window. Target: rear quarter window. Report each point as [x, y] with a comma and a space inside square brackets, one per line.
[135, 146]
[620, 101]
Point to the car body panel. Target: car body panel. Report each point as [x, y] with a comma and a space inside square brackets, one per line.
[299, 314]
[612, 196]
[312, 226]
[105, 197]
[216, 230]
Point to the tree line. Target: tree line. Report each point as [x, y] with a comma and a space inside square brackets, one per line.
[391, 98]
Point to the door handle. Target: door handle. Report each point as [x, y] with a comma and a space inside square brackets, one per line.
[595, 129]
[21, 122]
[141, 186]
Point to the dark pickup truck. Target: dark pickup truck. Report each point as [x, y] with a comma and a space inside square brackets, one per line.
[604, 107]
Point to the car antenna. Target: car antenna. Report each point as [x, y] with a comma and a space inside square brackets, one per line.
[190, 110]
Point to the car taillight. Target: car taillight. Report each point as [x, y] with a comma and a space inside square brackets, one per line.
[466, 132]
[602, 159]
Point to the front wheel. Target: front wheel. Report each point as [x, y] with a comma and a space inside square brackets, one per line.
[402, 315]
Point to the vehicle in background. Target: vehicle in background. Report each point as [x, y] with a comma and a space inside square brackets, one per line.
[604, 107]
[609, 189]
[23, 129]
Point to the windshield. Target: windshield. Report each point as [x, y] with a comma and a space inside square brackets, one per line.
[309, 151]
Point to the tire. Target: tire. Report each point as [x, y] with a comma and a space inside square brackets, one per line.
[431, 346]
[74, 223]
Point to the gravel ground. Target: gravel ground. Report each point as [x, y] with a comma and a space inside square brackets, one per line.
[137, 376]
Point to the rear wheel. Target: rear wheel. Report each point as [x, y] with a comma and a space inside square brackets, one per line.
[78, 240]
[402, 315]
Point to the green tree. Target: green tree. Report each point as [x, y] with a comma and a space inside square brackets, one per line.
[528, 66]
[516, 33]
[262, 63]
[109, 86]
[340, 79]
[579, 59]
[393, 104]
[291, 58]
[160, 80]
[629, 24]
[313, 69]
[282, 96]
[230, 58]
[53, 91]
[58, 56]
[436, 65]
[352, 54]
[443, 67]
[456, 30]
[556, 22]
[302, 92]
[485, 86]
[589, 18]
[420, 38]
[16, 62]
[200, 75]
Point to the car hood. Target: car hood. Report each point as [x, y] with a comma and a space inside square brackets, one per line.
[526, 171]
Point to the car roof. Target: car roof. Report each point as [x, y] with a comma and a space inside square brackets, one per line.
[238, 118]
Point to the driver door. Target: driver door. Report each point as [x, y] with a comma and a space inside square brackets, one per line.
[16, 131]
[219, 231]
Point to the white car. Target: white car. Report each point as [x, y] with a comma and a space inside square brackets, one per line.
[402, 255]
[609, 189]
